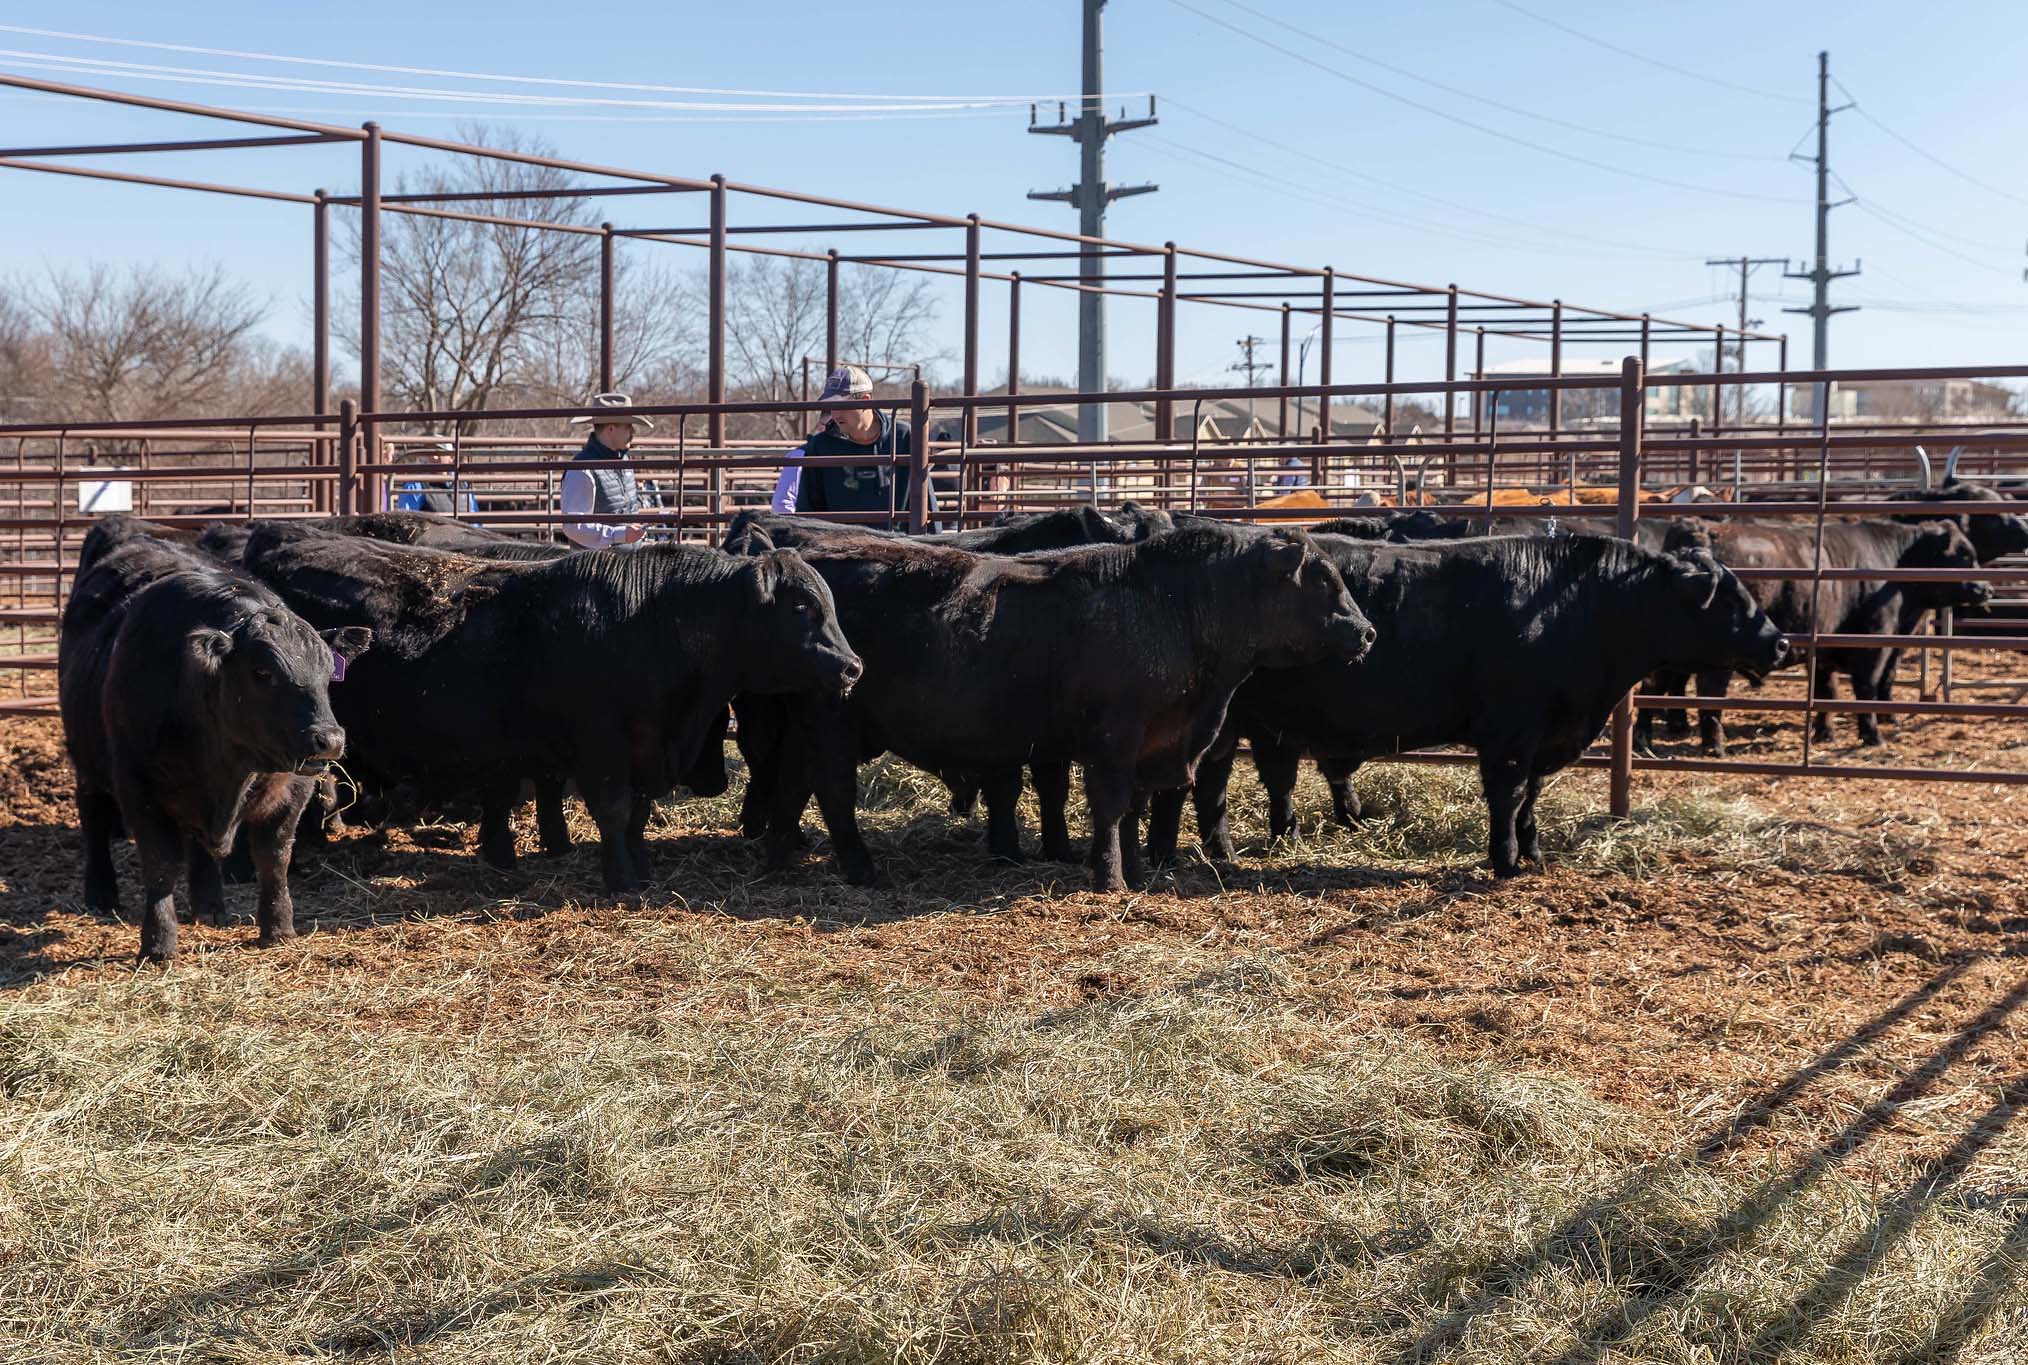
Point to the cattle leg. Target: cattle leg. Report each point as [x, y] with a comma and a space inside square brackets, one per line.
[274, 808]
[549, 821]
[1208, 793]
[830, 770]
[1108, 791]
[1052, 797]
[964, 799]
[1527, 835]
[1711, 724]
[1278, 767]
[1345, 807]
[162, 859]
[98, 815]
[1504, 782]
[496, 830]
[760, 747]
[1867, 689]
[1131, 867]
[1827, 690]
[1003, 815]
[637, 836]
[207, 890]
[1165, 824]
[611, 803]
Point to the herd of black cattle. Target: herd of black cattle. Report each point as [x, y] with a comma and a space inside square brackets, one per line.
[207, 678]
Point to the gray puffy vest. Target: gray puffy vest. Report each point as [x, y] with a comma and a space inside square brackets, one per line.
[613, 490]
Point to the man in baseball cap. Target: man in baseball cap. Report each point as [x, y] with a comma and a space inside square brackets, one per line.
[611, 492]
[865, 432]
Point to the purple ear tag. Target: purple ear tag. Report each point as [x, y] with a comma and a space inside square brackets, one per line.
[337, 666]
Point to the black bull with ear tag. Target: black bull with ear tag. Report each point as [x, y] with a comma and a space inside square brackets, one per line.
[194, 704]
[1518, 646]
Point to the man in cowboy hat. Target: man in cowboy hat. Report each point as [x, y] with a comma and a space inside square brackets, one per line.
[865, 432]
[610, 492]
[422, 494]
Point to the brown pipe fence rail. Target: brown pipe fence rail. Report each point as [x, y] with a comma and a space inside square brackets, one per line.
[193, 472]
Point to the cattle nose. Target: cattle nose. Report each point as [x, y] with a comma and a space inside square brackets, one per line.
[1367, 635]
[1782, 647]
[325, 741]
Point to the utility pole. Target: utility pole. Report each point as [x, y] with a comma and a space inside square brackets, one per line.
[1089, 196]
[1249, 367]
[1745, 265]
[1821, 274]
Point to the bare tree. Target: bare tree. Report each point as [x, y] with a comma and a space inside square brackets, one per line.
[146, 344]
[775, 316]
[465, 306]
[25, 378]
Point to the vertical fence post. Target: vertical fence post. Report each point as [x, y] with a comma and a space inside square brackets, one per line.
[1330, 300]
[714, 392]
[1555, 365]
[1633, 413]
[918, 457]
[1165, 347]
[830, 311]
[1013, 356]
[369, 292]
[320, 342]
[605, 307]
[1387, 403]
[970, 423]
[1282, 418]
[1479, 372]
[347, 496]
[1782, 457]
[1450, 377]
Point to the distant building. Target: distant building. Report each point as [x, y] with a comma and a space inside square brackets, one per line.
[1525, 407]
[1907, 400]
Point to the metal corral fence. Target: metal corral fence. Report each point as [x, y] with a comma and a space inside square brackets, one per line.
[54, 482]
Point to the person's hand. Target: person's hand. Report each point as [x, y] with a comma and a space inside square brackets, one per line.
[633, 533]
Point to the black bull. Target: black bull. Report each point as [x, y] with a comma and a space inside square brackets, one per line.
[1834, 606]
[194, 704]
[1518, 646]
[1121, 658]
[613, 668]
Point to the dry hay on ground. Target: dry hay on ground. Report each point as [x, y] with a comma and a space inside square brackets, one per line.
[1735, 1078]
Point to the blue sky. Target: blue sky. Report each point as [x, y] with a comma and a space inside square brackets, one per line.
[1509, 154]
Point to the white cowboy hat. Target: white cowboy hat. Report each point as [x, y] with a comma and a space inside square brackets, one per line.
[618, 401]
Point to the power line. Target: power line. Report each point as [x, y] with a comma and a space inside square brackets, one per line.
[1446, 115]
[1874, 212]
[1928, 156]
[523, 80]
[1645, 248]
[1873, 205]
[261, 81]
[1642, 57]
[1323, 199]
[1463, 93]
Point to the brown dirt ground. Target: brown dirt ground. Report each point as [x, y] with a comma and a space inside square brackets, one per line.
[1880, 996]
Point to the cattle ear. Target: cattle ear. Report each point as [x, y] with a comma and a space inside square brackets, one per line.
[766, 568]
[348, 642]
[1699, 576]
[209, 647]
[1283, 557]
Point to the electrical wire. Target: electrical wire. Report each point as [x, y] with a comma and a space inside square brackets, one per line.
[1928, 156]
[1644, 248]
[1504, 107]
[1449, 117]
[1642, 57]
[256, 81]
[532, 80]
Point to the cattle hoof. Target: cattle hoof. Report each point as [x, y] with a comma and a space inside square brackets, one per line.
[868, 876]
[1061, 853]
[270, 938]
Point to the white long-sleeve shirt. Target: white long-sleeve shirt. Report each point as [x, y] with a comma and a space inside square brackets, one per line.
[788, 485]
[578, 500]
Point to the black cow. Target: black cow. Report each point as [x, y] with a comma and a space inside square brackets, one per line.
[1121, 658]
[1842, 606]
[1016, 533]
[1518, 646]
[613, 667]
[194, 704]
